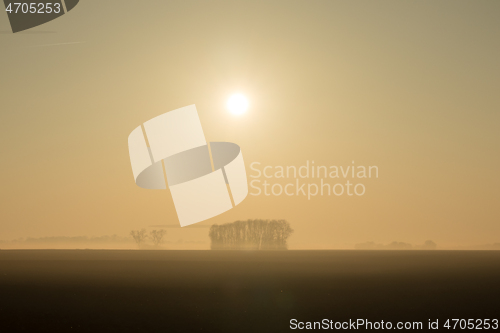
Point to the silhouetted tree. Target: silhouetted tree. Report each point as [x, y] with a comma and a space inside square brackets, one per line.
[251, 234]
[157, 236]
[399, 246]
[429, 245]
[139, 236]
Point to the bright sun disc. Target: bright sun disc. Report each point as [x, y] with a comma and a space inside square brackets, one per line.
[237, 104]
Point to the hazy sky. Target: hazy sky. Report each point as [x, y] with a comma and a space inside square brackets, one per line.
[409, 86]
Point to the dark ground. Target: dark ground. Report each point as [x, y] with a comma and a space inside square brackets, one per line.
[192, 291]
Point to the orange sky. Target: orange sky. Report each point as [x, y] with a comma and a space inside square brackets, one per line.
[411, 87]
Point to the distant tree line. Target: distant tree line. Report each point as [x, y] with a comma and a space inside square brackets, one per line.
[428, 245]
[250, 235]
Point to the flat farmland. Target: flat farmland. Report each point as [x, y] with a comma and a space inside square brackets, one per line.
[239, 291]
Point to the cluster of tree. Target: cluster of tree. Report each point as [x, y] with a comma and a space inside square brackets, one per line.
[251, 235]
[428, 245]
[141, 236]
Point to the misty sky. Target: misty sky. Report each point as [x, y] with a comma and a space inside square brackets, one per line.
[409, 86]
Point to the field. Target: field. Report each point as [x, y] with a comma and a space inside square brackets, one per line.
[226, 291]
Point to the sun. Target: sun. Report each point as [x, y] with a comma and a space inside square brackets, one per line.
[237, 104]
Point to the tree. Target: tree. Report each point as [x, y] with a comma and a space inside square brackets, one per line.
[429, 245]
[251, 234]
[139, 236]
[157, 236]
[399, 246]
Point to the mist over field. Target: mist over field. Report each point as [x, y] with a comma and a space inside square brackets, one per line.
[368, 133]
[103, 242]
[173, 242]
[406, 87]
